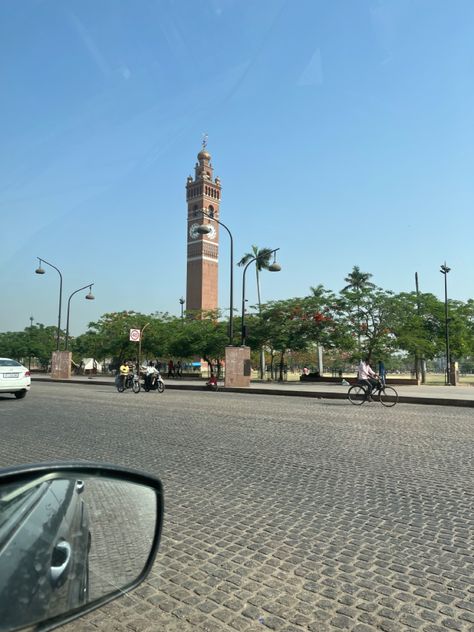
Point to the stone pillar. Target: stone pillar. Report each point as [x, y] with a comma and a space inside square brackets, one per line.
[454, 374]
[237, 367]
[61, 365]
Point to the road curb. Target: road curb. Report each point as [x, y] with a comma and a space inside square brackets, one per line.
[255, 390]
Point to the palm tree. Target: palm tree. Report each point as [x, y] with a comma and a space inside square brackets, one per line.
[262, 262]
[356, 282]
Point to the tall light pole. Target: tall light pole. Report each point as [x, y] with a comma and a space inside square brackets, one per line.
[39, 270]
[29, 344]
[274, 267]
[182, 302]
[204, 229]
[89, 297]
[445, 270]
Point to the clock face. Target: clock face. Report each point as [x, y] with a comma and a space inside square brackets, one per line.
[212, 234]
[193, 231]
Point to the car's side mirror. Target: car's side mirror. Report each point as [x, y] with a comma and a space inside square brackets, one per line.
[73, 536]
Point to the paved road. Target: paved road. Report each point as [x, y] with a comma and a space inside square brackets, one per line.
[289, 514]
[442, 395]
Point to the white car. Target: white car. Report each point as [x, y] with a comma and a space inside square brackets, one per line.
[14, 378]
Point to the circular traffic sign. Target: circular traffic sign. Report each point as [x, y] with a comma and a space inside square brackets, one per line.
[134, 335]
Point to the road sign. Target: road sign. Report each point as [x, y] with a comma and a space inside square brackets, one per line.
[135, 335]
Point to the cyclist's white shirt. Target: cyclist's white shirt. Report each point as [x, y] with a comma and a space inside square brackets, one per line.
[365, 372]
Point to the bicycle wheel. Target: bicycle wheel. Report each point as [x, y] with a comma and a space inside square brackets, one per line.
[357, 395]
[160, 387]
[120, 388]
[388, 396]
[136, 386]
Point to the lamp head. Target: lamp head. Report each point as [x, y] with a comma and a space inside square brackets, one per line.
[444, 269]
[90, 296]
[204, 229]
[275, 266]
[40, 270]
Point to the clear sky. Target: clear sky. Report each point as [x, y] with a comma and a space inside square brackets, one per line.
[342, 131]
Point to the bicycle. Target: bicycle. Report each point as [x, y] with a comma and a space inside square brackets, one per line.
[386, 395]
[129, 381]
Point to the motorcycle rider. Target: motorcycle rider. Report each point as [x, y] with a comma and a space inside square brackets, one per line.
[124, 372]
[150, 376]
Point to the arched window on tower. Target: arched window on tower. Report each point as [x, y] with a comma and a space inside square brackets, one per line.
[210, 211]
[195, 210]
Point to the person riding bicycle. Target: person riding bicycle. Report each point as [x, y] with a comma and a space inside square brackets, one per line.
[124, 372]
[366, 376]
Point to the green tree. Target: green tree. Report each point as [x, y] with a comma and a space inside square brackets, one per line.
[300, 324]
[36, 341]
[205, 337]
[358, 283]
[418, 324]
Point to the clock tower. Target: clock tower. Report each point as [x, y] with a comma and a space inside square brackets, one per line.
[203, 193]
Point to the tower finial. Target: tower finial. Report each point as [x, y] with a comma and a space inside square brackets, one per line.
[204, 140]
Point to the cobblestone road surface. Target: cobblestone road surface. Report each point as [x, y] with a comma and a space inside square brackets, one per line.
[283, 514]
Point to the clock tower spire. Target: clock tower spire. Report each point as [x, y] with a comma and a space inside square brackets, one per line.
[203, 193]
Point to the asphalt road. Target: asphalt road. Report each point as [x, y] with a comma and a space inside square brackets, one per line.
[282, 513]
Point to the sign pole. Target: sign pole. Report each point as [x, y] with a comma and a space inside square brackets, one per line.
[140, 347]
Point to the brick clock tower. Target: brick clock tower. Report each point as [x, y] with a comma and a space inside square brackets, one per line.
[202, 193]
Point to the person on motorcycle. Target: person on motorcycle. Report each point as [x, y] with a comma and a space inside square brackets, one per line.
[150, 376]
[124, 372]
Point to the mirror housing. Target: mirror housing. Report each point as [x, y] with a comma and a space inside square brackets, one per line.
[73, 536]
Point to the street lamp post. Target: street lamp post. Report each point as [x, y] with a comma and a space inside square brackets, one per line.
[39, 270]
[29, 342]
[89, 297]
[445, 270]
[274, 267]
[204, 229]
[182, 302]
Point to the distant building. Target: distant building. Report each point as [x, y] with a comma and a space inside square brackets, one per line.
[202, 193]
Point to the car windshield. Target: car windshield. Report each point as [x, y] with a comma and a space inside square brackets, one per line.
[6, 362]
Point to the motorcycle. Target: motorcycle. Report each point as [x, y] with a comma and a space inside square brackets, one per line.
[73, 537]
[131, 380]
[156, 384]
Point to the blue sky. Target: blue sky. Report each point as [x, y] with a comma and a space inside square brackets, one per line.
[342, 132]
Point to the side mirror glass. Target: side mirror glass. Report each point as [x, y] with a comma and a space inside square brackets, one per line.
[71, 539]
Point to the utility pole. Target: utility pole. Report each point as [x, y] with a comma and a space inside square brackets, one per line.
[420, 362]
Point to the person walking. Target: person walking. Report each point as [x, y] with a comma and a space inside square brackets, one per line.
[171, 368]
